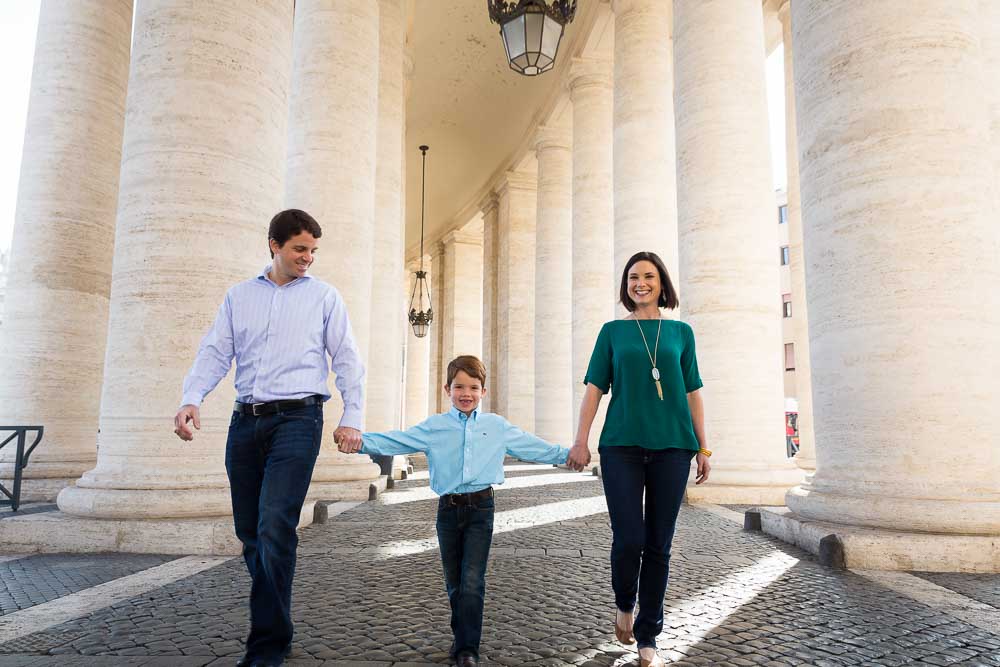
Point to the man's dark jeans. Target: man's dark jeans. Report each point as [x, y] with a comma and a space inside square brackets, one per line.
[465, 533]
[640, 547]
[270, 462]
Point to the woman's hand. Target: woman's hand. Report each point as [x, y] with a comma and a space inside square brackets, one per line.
[579, 456]
[704, 467]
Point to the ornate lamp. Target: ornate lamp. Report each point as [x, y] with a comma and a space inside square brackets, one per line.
[421, 319]
[531, 31]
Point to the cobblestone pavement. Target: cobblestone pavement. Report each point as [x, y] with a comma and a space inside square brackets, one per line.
[369, 593]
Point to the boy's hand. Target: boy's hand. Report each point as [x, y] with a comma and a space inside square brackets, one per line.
[348, 439]
[579, 457]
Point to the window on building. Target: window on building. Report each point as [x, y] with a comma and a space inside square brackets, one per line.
[786, 305]
[783, 214]
[789, 356]
[785, 257]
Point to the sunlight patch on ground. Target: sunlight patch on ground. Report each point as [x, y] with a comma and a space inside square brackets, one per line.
[395, 497]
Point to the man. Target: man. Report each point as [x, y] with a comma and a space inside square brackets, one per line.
[280, 327]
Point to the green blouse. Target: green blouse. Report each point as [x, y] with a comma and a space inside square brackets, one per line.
[636, 415]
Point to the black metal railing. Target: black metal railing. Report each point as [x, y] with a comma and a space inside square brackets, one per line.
[19, 435]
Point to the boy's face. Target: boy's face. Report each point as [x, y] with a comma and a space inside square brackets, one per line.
[465, 392]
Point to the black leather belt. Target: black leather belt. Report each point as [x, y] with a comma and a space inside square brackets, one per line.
[274, 407]
[468, 498]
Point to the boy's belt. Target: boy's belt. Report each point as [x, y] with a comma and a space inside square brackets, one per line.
[468, 498]
[273, 407]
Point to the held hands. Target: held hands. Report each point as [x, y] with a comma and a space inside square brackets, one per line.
[579, 456]
[348, 439]
[187, 413]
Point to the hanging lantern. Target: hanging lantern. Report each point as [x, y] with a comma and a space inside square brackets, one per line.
[531, 31]
[420, 319]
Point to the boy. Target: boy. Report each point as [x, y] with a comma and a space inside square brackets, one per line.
[465, 450]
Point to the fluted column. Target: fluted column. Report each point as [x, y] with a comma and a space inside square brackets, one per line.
[806, 457]
[331, 175]
[52, 343]
[515, 381]
[728, 263]
[388, 309]
[553, 293]
[491, 219]
[198, 185]
[418, 352]
[645, 183]
[438, 365]
[901, 246]
[594, 281]
[461, 296]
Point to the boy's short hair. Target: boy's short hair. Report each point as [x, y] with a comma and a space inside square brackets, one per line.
[468, 363]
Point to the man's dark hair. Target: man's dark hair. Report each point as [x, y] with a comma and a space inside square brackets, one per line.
[668, 295]
[289, 223]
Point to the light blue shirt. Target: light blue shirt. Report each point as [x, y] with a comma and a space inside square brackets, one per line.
[464, 454]
[281, 337]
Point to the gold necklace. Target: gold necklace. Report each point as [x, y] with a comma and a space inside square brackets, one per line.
[652, 357]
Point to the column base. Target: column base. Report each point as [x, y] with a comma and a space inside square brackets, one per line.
[728, 494]
[400, 467]
[58, 532]
[350, 490]
[883, 549]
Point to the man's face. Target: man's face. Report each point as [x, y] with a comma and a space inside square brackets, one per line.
[465, 392]
[293, 259]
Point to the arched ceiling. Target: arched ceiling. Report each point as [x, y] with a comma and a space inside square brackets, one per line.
[466, 103]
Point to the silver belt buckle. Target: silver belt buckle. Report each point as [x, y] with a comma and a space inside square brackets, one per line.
[253, 409]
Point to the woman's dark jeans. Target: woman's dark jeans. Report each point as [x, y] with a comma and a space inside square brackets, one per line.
[640, 548]
[465, 533]
[270, 461]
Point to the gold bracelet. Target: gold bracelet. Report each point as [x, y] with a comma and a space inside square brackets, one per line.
[706, 452]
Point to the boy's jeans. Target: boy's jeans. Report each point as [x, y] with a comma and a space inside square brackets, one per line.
[270, 462]
[465, 532]
[640, 546]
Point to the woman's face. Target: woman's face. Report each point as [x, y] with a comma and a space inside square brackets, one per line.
[644, 283]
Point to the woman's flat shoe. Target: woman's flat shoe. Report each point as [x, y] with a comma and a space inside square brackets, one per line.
[623, 633]
[655, 661]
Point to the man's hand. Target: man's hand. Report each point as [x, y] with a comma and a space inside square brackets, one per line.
[187, 413]
[704, 467]
[579, 456]
[348, 439]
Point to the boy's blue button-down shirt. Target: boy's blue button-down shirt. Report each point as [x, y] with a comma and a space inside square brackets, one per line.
[464, 454]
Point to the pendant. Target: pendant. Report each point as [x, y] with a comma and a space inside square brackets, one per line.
[659, 389]
[656, 374]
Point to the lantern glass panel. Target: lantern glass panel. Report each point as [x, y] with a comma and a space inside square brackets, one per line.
[550, 40]
[513, 37]
[534, 22]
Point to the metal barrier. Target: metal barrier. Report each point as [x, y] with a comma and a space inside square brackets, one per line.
[20, 434]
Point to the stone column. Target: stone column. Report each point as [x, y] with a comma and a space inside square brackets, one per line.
[52, 343]
[989, 20]
[515, 329]
[806, 457]
[645, 183]
[417, 360]
[337, 50]
[553, 290]
[594, 280]
[902, 275]
[435, 395]
[198, 185]
[490, 209]
[728, 241]
[461, 297]
[388, 309]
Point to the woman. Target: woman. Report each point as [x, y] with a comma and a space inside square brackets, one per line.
[654, 425]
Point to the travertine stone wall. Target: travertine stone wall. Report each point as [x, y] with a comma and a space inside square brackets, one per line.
[554, 409]
[729, 263]
[515, 379]
[198, 186]
[594, 283]
[461, 305]
[901, 265]
[52, 343]
[491, 220]
[436, 368]
[806, 457]
[331, 174]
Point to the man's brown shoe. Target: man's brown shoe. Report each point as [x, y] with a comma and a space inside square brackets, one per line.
[467, 660]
